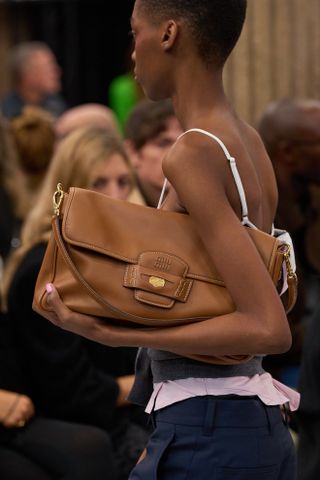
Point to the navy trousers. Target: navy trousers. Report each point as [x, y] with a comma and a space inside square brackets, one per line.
[216, 438]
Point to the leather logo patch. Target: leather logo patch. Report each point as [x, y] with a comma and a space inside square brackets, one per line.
[162, 263]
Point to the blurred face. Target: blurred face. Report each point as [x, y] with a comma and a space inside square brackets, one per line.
[149, 158]
[112, 177]
[305, 150]
[43, 73]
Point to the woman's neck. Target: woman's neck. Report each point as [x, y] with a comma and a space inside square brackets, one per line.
[196, 97]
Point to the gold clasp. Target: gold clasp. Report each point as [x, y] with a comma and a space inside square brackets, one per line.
[286, 254]
[157, 282]
[57, 199]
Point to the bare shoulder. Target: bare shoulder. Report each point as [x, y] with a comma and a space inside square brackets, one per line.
[195, 152]
[198, 151]
[236, 138]
[197, 162]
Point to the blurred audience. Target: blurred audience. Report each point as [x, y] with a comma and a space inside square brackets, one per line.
[72, 378]
[13, 195]
[151, 130]
[86, 115]
[35, 77]
[38, 448]
[290, 130]
[308, 415]
[34, 138]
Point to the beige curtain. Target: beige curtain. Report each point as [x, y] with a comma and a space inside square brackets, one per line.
[278, 55]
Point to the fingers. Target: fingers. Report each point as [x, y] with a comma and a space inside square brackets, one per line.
[87, 326]
[21, 414]
[65, 318]
[60, 311]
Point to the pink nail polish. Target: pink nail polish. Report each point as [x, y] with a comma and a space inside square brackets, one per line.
[49, 288]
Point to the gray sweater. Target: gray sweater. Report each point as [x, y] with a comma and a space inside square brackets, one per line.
[153, 366]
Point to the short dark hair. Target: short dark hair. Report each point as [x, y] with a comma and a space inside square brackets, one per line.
[215, 24]
[147, 120]
[286, 120]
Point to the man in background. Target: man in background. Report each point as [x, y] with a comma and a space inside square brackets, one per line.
[290, 130]
[86, 115]
[36, 80]
[151, 130]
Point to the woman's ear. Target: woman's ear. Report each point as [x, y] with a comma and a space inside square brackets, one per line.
[169, 35]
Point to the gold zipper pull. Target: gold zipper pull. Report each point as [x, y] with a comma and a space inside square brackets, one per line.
[57, 199]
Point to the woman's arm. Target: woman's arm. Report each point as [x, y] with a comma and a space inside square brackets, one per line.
[258, 325]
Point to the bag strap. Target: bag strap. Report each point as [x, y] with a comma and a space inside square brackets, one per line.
[235, 173]
[163, 191]
[292, 292]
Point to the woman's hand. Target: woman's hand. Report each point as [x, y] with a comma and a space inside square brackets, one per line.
[90, 327]
[15, 409]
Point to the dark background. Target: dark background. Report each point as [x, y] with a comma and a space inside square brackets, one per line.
[90, 39]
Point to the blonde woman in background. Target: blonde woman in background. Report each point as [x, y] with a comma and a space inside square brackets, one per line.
[72, 378]
[87, 158]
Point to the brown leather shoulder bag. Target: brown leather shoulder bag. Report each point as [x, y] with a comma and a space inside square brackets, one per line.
[141, 266]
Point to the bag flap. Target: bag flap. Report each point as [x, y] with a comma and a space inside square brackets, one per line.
[96, 222]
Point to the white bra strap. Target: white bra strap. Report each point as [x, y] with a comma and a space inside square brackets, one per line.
[162, 193]
[234, 170]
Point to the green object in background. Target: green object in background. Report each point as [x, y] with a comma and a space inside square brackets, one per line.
[123, 96]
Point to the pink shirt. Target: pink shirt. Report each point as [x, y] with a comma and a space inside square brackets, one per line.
[269, 390]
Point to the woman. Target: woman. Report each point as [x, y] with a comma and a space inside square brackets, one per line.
[71, 378]
[33, 446]
[211, 421]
